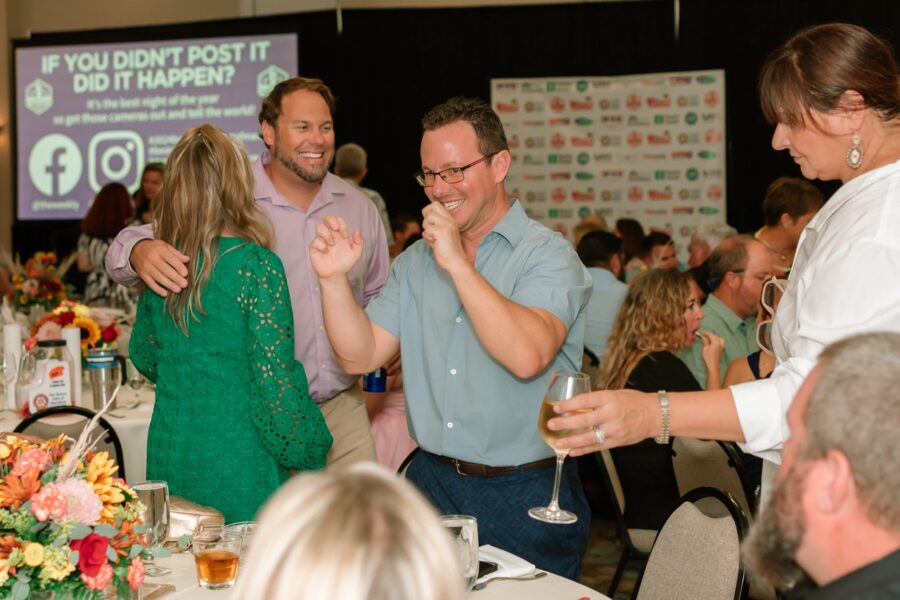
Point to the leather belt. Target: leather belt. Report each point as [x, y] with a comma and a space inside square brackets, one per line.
[476, 470]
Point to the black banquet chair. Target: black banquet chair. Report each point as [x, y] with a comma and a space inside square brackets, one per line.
[48, 424]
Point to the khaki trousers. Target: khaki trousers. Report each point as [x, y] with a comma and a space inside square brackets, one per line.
[346, 417]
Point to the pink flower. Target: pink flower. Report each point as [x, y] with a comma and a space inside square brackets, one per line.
[82, 504]
[101, 579]
[34, 458]
[49, 331]
[136, 573]
[49, 503]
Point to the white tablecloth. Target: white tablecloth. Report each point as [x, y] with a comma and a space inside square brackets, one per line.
[131, 426]
[551, 587]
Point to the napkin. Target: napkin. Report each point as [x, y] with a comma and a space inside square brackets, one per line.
[508, 565]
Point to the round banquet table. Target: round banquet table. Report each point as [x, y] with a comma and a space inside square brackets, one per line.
[130, 424]
[551, 587]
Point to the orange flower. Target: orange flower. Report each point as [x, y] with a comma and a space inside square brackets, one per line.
[15, 491]
[7, 544]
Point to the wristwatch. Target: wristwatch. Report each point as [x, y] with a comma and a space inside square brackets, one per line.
[663, 437]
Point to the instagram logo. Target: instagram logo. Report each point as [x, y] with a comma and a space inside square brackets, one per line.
[115, 156]
[54, 165]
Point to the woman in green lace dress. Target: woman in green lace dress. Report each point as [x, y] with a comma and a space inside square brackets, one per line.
[233, 416]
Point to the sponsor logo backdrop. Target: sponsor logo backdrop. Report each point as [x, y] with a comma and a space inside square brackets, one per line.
[650, 147]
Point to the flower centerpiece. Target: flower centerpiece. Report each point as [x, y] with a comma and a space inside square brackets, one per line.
[68, 526]
[98, 328]
[38, 283]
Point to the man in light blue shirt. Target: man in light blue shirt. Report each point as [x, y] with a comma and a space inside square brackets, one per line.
[486, 306]
[601, 253]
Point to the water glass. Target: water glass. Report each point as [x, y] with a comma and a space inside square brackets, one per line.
[245, 529]
[154, 495]
[464, 531]
[217, 560]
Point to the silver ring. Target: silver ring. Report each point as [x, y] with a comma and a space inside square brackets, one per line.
[598, 433]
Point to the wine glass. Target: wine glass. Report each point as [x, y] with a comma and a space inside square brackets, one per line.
[563, 385]
[154, 495]
[9, 368]
[136, 381]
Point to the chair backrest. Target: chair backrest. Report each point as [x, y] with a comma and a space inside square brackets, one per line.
[696, 556]
[639, 541]
[701, 463]
[71, 420]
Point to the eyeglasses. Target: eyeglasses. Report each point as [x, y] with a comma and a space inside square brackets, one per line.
[450, 175]
[770, 297]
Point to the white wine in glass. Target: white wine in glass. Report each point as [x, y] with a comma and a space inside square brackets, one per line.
[563, 385]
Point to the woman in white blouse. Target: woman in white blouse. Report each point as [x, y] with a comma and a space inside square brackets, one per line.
[833, 92]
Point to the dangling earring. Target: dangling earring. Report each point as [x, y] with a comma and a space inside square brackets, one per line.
[855, 153]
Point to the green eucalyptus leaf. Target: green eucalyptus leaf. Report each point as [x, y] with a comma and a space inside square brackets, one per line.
[40, 526]
[136, 549]
[73, 557]
[111, 553]
[20, 591]
[160, 552]
[185, 541]
[79, 532]
[139, 529]
[105, 530]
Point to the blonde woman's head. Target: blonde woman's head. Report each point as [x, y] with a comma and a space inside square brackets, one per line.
[654, 316]
[207, 191]
[355, 534]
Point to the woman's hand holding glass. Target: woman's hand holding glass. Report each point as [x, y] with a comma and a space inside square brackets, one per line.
[625, 417]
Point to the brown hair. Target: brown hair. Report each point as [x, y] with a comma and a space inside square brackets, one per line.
[271, 105]
[140, 199]
[477, 113]
[817, 65]
[791, 195]
[632, 235]
[649, 320]
[109, 213]
[207, 189]
[730, 256]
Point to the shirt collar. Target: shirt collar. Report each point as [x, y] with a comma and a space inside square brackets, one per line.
[513, 224]
[879, 576]
[264, 189]
[715, 306]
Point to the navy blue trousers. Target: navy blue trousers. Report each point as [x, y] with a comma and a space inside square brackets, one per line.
[501, 506]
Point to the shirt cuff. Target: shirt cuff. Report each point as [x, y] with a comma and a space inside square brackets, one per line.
[118, 257]
[761, 414]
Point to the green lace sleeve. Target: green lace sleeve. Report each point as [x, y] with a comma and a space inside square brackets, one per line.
[290, 423]
[144, 348]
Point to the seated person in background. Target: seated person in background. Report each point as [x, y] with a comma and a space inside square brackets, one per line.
[233, 416]
[661, 314]
[834, 513]
[657, 252]
[403, 227]
[361, 533]
[632, 235]
[704, 240]
[790, 204]
[738, 269]
[108, 215]
[601, 253]
[592, 222]
[151, 180]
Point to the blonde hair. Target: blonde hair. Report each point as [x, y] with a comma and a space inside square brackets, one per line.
[649, 320]
[207, 189]
[360, 533]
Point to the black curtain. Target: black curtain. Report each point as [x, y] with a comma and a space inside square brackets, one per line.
[388, 67]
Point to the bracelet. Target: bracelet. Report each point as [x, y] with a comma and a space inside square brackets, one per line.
[663, 437]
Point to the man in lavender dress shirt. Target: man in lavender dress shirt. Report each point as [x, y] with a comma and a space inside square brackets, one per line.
[296, 191]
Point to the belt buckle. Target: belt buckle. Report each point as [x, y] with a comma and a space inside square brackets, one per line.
[458, 472]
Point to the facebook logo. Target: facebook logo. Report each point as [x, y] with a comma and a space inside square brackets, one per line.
[55, 165]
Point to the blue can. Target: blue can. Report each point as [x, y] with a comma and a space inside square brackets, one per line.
[376, 381]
